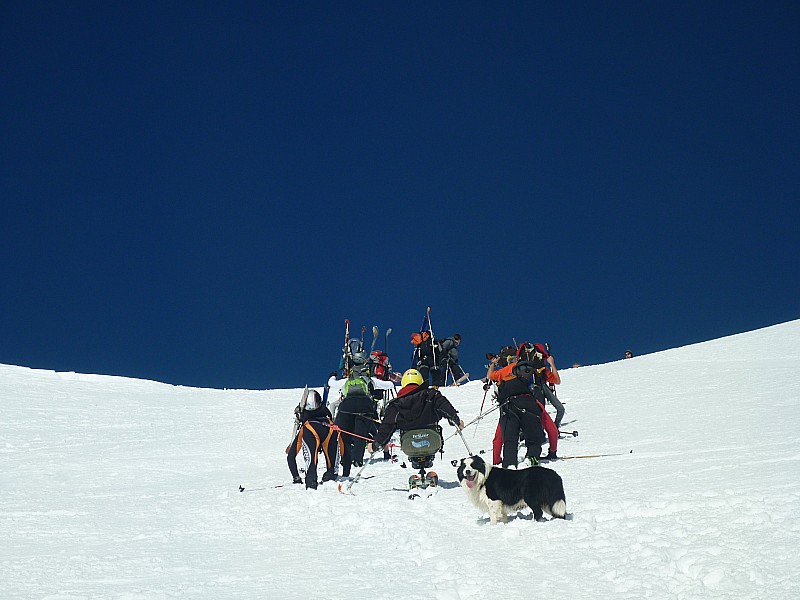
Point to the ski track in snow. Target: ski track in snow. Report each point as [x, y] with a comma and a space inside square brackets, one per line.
[127, 489]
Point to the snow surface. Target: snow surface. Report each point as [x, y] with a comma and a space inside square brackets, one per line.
[128, 489]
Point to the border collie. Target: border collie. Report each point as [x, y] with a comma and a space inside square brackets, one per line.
[501, 491]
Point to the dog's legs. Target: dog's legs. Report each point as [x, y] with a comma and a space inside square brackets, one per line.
[537, 512]
[497, 512]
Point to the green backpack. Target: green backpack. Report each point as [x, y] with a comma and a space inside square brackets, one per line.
[355, 386]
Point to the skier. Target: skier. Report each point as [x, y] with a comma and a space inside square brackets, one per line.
[417, 406]
[448, 361]
[356, 415]
[545, 378]
[314, 435]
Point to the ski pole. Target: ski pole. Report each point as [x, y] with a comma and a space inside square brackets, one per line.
[481, 415]
[463, 440]
[450, 370]
[475, 420]
[358, 475]
[486, 387]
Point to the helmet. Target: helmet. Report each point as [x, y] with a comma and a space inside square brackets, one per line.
[411, 376]
[313, 400]
[360, 357]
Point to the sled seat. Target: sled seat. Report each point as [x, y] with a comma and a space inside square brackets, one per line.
[421, 445]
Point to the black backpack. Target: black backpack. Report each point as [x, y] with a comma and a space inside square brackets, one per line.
[529, 371]
[428, 350]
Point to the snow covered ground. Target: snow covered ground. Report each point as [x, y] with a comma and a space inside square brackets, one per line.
[128, 489]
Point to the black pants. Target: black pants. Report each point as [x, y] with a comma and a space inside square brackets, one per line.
[312, 439]
[356, 414]
[522, 415]
[435, 373]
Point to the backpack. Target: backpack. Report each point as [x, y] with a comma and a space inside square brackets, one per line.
[524, 370]
[426, 347]
[353, 358]
[355, 386]
[505, 353]
[355, 345]
[360, 366]
[380, 367]
[528, 351]
[530, 371]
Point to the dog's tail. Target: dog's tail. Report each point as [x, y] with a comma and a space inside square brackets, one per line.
[559, 509]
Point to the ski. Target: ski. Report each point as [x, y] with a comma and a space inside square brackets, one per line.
[463, 379]
[346, 348]
[433, 337]
[297, 410]
[280, 485]
[586, 456]
[419, 487]
[374, 336]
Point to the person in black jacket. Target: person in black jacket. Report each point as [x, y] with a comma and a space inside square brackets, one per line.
[417, 406]
[315, 434]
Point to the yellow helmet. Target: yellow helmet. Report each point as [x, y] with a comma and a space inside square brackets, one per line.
[411, 376]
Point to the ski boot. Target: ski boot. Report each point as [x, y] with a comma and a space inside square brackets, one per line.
[414, 485]
[432, 479]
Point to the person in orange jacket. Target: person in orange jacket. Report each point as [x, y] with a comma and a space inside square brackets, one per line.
[520, 410]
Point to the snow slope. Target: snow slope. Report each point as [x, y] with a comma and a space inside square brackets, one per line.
[128, 489]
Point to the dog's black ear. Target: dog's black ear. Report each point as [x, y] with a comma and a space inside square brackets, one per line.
[478, 464]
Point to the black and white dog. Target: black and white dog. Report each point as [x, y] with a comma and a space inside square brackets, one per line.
[501, 491]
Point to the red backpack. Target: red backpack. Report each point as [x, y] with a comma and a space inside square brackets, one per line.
[380, 368]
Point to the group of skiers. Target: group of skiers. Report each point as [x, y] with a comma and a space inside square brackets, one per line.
[523, 383]
[437, 360]
[343, 439]
[340, 428]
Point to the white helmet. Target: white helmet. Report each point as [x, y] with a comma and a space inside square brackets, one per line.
[313, 401]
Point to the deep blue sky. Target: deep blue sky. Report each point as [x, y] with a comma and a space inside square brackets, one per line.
[200, 193]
